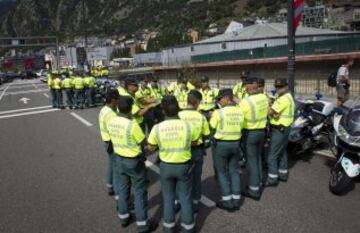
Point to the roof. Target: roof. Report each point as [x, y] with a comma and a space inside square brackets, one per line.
[265, 30]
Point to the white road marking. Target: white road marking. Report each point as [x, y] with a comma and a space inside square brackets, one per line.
[28, 113]
[24, 100]
[24, 109]
[26, 92]
[35, 86]
[85, 122]
[326, 153]
[3, 93]
[206, 201]
[46, 95]
[27, 86]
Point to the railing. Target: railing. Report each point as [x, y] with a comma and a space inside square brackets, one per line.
[340, 45]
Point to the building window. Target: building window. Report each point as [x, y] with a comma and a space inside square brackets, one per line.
[223, 45]
[192, 49]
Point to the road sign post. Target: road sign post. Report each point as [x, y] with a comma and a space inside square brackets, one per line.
[291, 46]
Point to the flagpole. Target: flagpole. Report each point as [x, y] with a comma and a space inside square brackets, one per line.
[291, 46]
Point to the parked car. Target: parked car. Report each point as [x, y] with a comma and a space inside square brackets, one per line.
[42, 73]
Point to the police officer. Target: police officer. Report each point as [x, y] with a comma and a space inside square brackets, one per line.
[182, 92]
[50, 82]
[131, 86]
[157, 92]
[127, 137]
[90, 82]
[282, 116]
[67, 84]
[255, 109]
[104, 72]
[200, 125]
[209, 95]
[79, 85]
[57, 85]
[227, 124]
[107, 113]
[121, 88]
[239, 89]
[173, 137]
[143, 98]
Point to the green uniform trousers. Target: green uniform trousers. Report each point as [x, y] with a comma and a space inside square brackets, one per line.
[197, 158]
[226, 160]
[177, 179]
[278, 158]
[131, 172]
[253, 143]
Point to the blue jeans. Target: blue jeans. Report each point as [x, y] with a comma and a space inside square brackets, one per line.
[175, 178]
[69, 97]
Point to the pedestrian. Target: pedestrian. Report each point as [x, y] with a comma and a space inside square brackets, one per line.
[57, 86]
[143, 98]
[121, 88]
[209, 95]
[50, 82]
[79, 85]
[282, 116]
[255, 108]
[200, 125]
[107, 113]
[127, 138]
[227, 123]
[343, 83]
[181, 93]
[173, 137]
[239, 89]
[157, 92]
[68, 86]
[90, 83]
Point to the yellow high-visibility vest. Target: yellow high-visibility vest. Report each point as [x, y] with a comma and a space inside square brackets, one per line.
[284, 105]
[197, 122]
[228, 123]
[106, 114]
[255, 109]
[208, 101]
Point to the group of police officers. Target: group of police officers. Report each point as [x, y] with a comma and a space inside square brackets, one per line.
[182, 121]
[79, 88]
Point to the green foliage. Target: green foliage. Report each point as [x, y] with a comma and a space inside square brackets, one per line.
[117, 53]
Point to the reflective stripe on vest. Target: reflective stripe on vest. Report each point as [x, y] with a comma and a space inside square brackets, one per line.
[184, 149]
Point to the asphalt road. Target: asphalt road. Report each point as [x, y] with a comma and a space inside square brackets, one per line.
[52, 180]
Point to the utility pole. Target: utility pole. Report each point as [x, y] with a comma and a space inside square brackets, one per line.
[291, 46]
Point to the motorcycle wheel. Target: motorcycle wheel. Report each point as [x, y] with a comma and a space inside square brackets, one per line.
[339, 180]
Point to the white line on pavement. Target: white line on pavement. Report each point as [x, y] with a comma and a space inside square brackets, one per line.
[85, 122]
[35, 86]
[206, 201]
[46, 95]
[28, 113]
[3, 93]
[26, 92]
[24, 109]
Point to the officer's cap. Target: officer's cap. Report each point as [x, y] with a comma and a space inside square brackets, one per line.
[112, 94]
[204, 79]
[251, 80]
[131, 81]
[155, 78]
[225, 92]
[281, 82]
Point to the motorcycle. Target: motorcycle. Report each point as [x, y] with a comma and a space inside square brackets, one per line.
[312, 126]
[347, 140]
[102, 87]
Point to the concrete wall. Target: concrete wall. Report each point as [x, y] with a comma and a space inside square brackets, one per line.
[310, 76]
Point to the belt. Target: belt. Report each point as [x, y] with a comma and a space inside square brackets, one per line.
[217, 140]
[136, 157]
[279, 127]
[254, 129]
[184, 163]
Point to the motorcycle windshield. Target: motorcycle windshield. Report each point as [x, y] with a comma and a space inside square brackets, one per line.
[352, 119]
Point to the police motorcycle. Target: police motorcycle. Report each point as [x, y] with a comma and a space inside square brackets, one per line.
[103, 85]
[312, 125]
[347, 141]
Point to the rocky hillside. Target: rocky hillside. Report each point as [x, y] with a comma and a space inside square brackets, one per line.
[114, 17]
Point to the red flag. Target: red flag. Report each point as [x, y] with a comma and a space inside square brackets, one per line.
[298, 10]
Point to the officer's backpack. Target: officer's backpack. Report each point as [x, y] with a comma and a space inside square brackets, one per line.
[332, 79]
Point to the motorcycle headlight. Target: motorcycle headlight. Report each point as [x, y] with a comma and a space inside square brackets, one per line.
[346, 137]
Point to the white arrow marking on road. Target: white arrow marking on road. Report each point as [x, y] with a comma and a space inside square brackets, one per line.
[24, 100]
